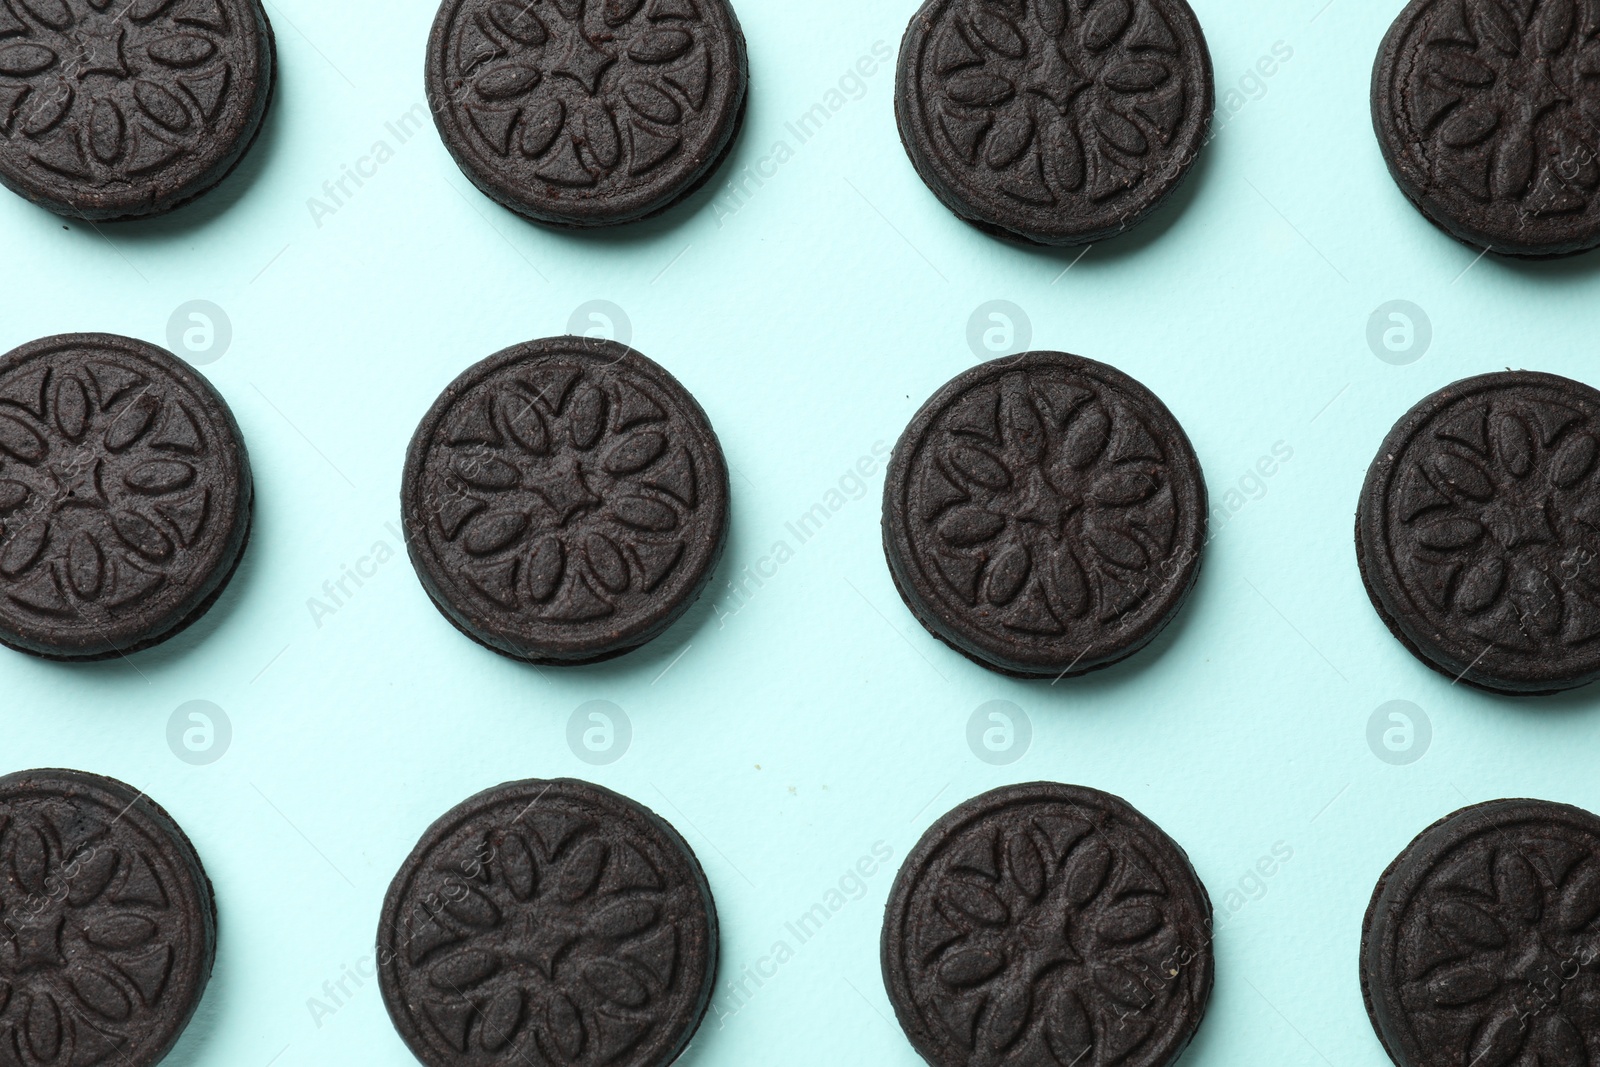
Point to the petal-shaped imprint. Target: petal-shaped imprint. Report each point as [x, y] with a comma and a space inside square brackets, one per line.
[1105, 24]
[507, 81]
[132, 423]
[25, 60]
[1573, 461]
[615, 983]
[606, 562]
[142, 535]
[501, 1021]
[123, 930]
[162, 106]
[160, 476]
[1468, 925]
[1455, 986]
[566, 1025]
[544, 569]
[980, 466]
[968, 967]
[635, 452]
[643, 513]
[1500, 1040]
[1135, 76]
[996, 31]
[979, 88]
[464, 969]
[976, 903]
[966, 526]
[12, 496]
[21, 440]
[517, 21]
[581, 873]
[588, 417]
[1450, 534]
[107, 131]
[85, 565]
[660, 45]
[1579, 903]
[1025, 865]
[1085, 872]
[72, 407]
[101, 994]
[182, 50]
[541, 122]
[1007, 575]
[1468, 126]
[650, 102]
[1480, 586]
[488, 534]
[23, 548]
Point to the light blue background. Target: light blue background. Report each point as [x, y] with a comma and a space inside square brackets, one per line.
[786, 739]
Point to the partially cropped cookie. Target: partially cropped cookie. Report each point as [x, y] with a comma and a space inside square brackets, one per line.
[1044, 515]
[110, 926]
[125, 496]
[1054, 122]
[565, 501]
[588, 113]
[1478, 532]
[1485, 111]
[1046, 925]
[129, 109]
[546, 922]
[1479, 944]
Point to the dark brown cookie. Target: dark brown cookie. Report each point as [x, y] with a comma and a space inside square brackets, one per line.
[587, 112]
[1048, 925]
[125, 496]
[565, 501]
[1480, 945]
[129, 109]
[544, 923]
[1055, 122]
[108, 927]
[1044, 515]
[1486, 112]
[1478, 532]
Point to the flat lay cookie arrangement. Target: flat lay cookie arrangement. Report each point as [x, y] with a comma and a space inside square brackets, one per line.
[586, 515]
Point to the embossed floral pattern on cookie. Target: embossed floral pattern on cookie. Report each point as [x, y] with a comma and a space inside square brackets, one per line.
[1058, 121]
[548, 922]
[1046, 511]
[106, 926]
[1480, 530]
[571, 493]
[587, 112]
[111, 109]
[1047, 926]
[124, 495]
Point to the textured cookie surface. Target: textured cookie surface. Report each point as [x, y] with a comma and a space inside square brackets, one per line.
[108, 920]
[548, 923]
[125, 496]
[1048, 925]
[587, 112]
[1044, 515]
[1478, 532]
[125, 109]
[1479, 944]
[565, 500]
[1486, 112]
[1054, 121]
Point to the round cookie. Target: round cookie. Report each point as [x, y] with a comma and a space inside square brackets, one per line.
[1478, 532]
[125, 496]
[565, 501]
[548, 922]
[1044, 515]
[109, 924]
[1045, 924]
[1479, 944]
[130, 109]
[1054, 122]
[1486, 115]
[584, 113]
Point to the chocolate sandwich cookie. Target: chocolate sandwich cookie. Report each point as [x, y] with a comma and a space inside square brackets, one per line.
[125, 496]
[548, 922]
[1478, 532]
[129, 109]
[565, 501]
[1054, 122]
[588, 112]
[108, 927]
[1485, 111]
[1044, 515]
[1479, 945]
[1047, 925]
